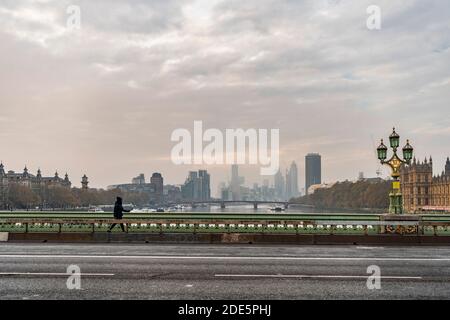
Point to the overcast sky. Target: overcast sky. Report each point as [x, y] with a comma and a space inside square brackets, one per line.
[104, 100]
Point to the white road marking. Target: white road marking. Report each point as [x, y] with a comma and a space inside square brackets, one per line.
[220, 258]
[55, 274]
[307, 276]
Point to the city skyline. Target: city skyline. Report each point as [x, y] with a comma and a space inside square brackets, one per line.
[103, 100]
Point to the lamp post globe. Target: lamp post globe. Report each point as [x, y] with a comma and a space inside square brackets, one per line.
[394, 139]
[408, 152]
[382, 151]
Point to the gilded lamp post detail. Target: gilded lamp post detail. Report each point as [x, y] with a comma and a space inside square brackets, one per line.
[396, 202]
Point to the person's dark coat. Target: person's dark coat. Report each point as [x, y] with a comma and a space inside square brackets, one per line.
[118, 209]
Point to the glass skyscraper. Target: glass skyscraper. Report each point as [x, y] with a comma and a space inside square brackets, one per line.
[313, 170]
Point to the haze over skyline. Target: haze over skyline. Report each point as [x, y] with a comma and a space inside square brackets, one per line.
[104, 100]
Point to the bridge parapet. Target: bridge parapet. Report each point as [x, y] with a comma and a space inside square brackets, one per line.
[401, 226]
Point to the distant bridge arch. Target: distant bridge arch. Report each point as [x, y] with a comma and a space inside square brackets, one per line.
[223, 203]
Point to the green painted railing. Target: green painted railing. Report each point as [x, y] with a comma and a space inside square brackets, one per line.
[233, 223]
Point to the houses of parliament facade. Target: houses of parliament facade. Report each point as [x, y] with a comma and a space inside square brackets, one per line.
[37, 183]
[423, 191]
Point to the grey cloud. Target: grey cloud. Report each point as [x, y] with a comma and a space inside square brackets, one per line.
[139, 69]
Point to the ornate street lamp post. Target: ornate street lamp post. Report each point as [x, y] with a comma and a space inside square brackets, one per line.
[396, 202]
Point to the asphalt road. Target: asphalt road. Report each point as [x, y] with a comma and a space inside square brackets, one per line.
[39, 271]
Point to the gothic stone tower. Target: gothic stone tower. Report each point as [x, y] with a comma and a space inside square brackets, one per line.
[447, 167]
[440, 191]
[84, 183]
[3, 188]
[416, 185]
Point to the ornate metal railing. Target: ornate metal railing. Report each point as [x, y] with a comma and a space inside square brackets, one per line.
[418, 225]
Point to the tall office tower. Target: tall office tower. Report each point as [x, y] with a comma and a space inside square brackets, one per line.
[220, 188]
[158, 181]
[292, 181]
[234, 173]
[204, 185]
[140, 179]
[197, 186]
[236, 182]
[313, 170]
[279, 185]
[189, 188]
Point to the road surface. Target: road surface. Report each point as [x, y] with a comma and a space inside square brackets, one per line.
[39, 271]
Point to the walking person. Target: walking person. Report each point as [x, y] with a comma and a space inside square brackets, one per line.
[118, 213]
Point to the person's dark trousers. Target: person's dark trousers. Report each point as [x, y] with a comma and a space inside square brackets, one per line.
[121, 226]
